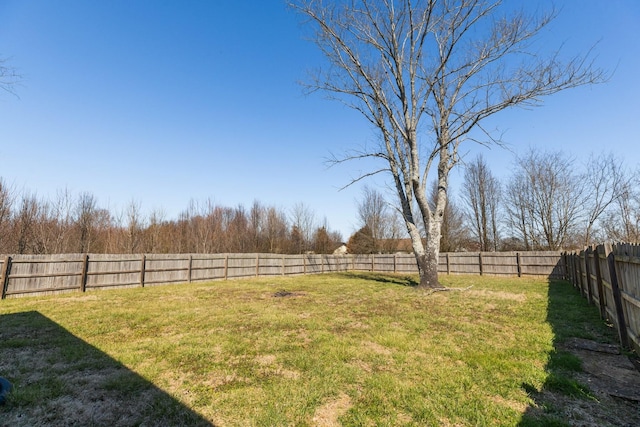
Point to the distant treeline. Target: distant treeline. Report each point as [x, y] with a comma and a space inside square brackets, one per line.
[76, 224]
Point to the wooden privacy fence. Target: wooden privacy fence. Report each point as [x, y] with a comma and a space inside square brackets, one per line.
[45, 274]
[609, 277]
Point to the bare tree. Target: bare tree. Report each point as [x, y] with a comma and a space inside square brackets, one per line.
[425, 74]
[7, 198]
[544, 200]
[481, 195]
[275, 230]
[606, 182]
[134, 227]
[376, 213]
[303, 219]
[623, 223]
[26, 226]
[153, 241]
[86, 214]
[62, 211]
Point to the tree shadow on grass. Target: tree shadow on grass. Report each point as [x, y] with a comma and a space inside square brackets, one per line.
[388, 278]
[59, 379]
[565, 397]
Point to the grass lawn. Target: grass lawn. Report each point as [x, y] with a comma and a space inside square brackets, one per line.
[341, 349]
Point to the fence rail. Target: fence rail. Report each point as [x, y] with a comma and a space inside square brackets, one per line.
[609, 277]
[47, 274]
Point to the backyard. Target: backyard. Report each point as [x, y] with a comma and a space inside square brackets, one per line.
[336, 349]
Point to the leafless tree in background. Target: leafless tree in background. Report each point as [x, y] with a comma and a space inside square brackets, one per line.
[86, 218]
[62, 211]
[622, 224]
[375, 213]
[606, 182]
[275, 230]
[372, 212]
[481, 193]
[153, 234]
[303, 222]
[425, 74]
[544, 200]
[7, 198]
[26, 222]
[134, 227]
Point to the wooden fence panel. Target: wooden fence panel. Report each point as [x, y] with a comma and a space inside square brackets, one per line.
[161, 269]
[241, 265]
[542, 264]
[334, 264]
[294, 265]
[314, 263]
[208, 267]
[628, 271]
[609, 277]
[500, 263]
[384, 262]
[43, 274]
[269, 265]
[110, 270]
[361, 262]
[406, 263]
[464, 263]
[610, 312]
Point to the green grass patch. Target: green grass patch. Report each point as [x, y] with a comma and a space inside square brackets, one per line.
[354, 349]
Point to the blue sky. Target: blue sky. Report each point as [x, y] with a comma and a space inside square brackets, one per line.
[161, 102]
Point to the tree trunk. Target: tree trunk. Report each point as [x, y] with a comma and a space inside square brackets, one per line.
[427, 257]
[428, 266]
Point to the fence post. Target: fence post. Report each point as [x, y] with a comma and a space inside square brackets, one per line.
[226, 266]
[143, 261]
[373, 262]
[189, 268]
[576, 271]
[85, 270]
[587, 272]
[571, 272]
[581, 274]
[395, 263]
[283, 266]
[519, 264]
[6, 270]
[600, 287]
[480, 262]
[448, 264]
[257, 265]
[622, 326]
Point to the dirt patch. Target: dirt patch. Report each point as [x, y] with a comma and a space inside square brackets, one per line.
[614, 384]
[605, 370]
[286, 294]
[328, 414]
